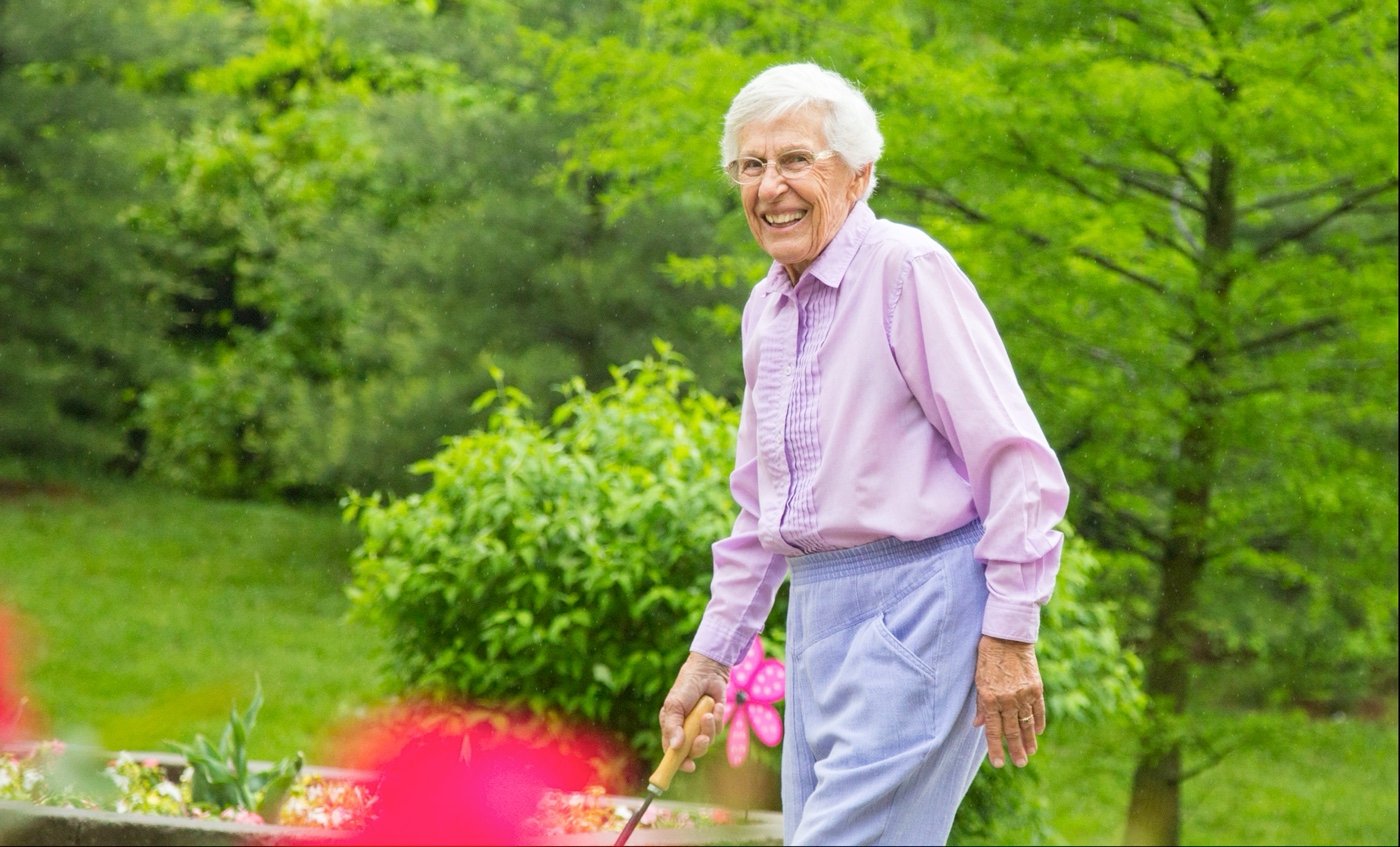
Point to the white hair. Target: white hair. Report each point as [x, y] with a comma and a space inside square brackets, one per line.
[849, 123]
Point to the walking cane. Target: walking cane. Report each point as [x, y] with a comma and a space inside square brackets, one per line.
[660, 779]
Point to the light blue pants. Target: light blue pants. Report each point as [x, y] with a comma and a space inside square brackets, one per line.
[879, 746]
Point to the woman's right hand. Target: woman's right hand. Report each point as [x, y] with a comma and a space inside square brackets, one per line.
[700, 675]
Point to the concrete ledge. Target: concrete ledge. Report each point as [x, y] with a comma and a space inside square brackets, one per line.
[24, 823]
[52, 826]
[752, 827]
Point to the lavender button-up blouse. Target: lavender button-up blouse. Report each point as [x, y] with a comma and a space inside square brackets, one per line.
[879, 401]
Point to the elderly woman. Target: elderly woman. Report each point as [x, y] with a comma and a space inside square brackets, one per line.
[888, 461]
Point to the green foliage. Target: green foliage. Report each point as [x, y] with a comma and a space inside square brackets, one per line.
[1091, 685]
[1149, 214]
[263, 248]
[222, 778]
[1089, 677]
[73, 321]
[373, 214]
[1004, 806]
[564, 566]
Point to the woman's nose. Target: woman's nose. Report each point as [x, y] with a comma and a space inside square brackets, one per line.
[771, 183]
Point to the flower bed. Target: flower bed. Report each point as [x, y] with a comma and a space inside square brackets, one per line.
[146, 799]
[45, 774]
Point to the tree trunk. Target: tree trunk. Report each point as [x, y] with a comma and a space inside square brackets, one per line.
[1154, 813]
[1154, 809]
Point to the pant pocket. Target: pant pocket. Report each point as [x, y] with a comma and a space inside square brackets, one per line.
[869, 700]
[915, 623]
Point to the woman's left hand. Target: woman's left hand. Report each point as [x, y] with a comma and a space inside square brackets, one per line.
[1010, 699]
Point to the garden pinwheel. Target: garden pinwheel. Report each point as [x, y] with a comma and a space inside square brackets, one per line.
[755, 684]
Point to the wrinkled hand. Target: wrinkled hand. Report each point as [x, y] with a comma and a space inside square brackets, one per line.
[700, 675]
[1010, 699]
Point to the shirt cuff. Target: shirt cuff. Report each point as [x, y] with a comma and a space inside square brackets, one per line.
[1012, 621]
[726, 646]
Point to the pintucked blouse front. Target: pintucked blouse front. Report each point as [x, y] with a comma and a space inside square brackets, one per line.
[880, 402]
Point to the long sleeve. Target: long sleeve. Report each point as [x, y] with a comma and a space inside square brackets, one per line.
[954, 363]
[746, 576]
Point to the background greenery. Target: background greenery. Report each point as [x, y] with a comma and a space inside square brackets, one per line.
[128, 669]
[271, 250]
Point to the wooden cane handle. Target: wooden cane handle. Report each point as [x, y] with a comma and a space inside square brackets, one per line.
[671, 762]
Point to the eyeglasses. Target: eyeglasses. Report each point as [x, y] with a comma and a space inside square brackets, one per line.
[746, 170]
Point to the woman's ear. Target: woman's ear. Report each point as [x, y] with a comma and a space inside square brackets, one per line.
[860, 183]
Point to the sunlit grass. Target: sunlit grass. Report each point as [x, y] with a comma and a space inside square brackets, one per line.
[147, 613]
[1293, 779]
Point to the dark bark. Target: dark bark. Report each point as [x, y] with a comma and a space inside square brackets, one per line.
[1154, 810]
[1154, 807]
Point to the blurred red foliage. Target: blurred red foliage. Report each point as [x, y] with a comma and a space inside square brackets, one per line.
[466, 775]
[18, 718]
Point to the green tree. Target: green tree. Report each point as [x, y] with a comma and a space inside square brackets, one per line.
[1216, 184]
[274, 241]
[367, 204]
[73, 314]
[1183, 216]
[270, 366]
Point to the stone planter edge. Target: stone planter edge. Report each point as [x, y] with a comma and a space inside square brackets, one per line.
[24, 823]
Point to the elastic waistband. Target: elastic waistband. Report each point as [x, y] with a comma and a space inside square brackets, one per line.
[877, 555]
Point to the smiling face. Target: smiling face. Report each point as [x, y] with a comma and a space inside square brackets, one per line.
[794, 219]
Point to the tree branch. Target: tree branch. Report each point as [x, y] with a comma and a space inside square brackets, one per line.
[1332, 20]
[1182, 169]
[1087, 348]
[1113, 517]
[1205, 20]
[1145, 180]
[1213, 758]
[1269, 339]
[1164, 240]
[1187, 71]
[1068, 179]
[1299, 196]
[1108, 264]
[1074, 183]
[1307, 228]
[942, 198]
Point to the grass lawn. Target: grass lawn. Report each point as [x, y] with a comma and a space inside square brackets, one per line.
[1303, 781]
[148, 612]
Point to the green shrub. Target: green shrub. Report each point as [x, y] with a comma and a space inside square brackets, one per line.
[566, 566]
[562, 567]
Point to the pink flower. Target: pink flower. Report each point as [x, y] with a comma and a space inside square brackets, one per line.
[755, 685]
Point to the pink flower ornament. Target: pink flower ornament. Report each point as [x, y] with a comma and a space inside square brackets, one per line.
[755, 684]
